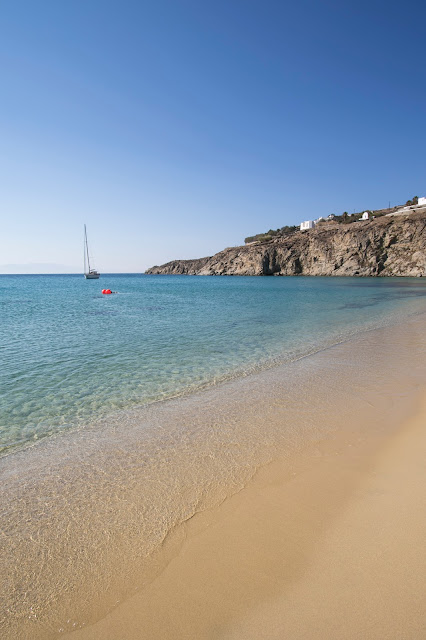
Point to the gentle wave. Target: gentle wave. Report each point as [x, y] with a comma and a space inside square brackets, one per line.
[70, 355]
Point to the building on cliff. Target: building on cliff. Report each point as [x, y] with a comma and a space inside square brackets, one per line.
[308, 224]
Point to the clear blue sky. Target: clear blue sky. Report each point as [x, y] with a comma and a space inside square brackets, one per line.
[176, 128]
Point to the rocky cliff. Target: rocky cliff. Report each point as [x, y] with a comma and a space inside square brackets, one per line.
[386, 246]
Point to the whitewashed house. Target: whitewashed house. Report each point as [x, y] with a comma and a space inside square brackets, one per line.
[365, 216]
[308, 224]
[421, 201]
[331, 216]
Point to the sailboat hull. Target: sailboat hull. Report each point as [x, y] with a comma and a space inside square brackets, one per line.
[91, 276]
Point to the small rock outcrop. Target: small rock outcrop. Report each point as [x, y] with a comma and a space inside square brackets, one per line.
[385, 246]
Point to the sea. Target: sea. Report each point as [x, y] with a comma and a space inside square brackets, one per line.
[70, 355]
[124, 416]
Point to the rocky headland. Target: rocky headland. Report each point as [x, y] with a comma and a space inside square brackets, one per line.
[393, 245]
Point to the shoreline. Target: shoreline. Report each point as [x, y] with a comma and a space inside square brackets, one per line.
[73, 580]
[350, 563]
[254, 369]
[226, 347]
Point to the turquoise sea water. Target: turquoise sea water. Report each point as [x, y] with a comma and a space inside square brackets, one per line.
[70, 354]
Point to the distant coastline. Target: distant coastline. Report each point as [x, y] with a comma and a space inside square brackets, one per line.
[38, 268]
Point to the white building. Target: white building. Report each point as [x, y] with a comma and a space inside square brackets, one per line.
[308, 224]
[365, 216]
[331, 216]
[421, 201]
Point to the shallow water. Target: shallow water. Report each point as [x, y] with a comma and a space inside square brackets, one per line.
[89, 515]
[70, 355]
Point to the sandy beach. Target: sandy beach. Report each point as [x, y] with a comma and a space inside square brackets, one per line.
[335, 550]
[320, 535]
[328, 544]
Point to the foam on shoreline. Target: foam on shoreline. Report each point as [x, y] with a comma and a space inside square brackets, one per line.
[91, 517]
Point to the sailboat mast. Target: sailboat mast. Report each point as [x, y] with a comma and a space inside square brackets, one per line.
[84, 248]
[89, 273]
[87, 251]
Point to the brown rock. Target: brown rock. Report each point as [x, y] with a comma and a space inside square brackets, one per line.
[386, 246]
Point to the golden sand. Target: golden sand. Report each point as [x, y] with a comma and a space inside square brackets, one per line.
[299, 494]
[330, 547]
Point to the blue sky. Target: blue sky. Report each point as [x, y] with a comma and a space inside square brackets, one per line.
[176, 128]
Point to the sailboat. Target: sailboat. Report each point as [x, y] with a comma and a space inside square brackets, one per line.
[89, 274]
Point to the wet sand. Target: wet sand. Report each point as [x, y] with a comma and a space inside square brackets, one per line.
[334, 549]
[284, 505]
